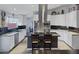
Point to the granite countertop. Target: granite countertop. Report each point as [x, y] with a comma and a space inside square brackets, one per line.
[55, 34]
[74, 33]
[9, 34]
[41, 33]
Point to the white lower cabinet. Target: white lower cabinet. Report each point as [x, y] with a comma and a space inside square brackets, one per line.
[6, 43]
[22, 34]
[9, 40]
[75, 42]
[64, 36]
[71, 38]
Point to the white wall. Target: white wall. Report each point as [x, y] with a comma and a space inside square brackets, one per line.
[10, 18]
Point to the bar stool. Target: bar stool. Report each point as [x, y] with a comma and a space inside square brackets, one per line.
[54, 41]
[41, 43]
[34, 42]
[47, 43]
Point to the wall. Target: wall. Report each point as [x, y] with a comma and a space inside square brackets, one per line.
[13, 18]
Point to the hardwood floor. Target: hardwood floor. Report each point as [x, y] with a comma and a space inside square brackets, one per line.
[20, 48]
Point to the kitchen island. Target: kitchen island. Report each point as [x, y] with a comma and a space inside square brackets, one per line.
[44, 41]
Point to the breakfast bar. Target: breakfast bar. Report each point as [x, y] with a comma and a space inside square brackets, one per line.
[44, 41]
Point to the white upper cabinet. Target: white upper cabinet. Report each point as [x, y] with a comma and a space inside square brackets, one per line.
[72, 18]
[58, 20]
[69, 17]
[53, 18]
[77, 21]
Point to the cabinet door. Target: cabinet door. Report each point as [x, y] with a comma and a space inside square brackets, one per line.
[67, 19]
[72, 19]
[56, 19]
[21, 35]
[60, 20]
[52, 20]
[7, 43]
[24, 33]
[78, 18]
[12, 41]
[75, 42]
[69, 40]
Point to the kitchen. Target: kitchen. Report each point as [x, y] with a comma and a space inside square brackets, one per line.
[45, 28]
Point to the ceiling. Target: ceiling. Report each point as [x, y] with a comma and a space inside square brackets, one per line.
[50, 6]
[25, 9]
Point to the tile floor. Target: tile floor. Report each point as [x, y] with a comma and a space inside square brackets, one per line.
[22, 47]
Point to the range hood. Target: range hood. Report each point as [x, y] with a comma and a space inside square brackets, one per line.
[42, 18]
